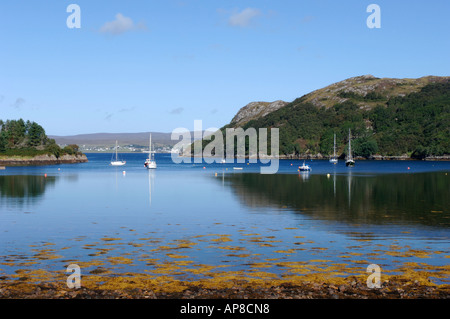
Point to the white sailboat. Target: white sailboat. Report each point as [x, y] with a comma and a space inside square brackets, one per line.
[304, 167]
[117, 162]
[334, 159]
[349, 160]
[150, 162]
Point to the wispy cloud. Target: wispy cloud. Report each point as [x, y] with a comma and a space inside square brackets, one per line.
[244, 18]
[129, 109]
[178, 110]
[121, 25]
[307, 19]
[18, 103]
[108, 116]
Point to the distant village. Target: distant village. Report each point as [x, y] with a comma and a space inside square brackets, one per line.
[125, 149]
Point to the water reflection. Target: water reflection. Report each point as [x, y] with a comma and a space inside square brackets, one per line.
[151, 182]
[304, 175]
[24, 189]
[378, 199]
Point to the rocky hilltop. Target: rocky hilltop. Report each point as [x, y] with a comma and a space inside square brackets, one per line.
[367, 91]
[255, 110]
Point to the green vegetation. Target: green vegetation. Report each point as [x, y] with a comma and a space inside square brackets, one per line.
[417, 124]
[28, 139]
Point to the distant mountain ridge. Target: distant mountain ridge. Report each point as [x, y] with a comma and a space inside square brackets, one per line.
[109, 139]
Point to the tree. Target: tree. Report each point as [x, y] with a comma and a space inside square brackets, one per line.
[36, 135]
[54, 149]
[3, 141]
[365, 146]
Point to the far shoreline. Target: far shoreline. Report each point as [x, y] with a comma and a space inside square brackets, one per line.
[444, 158]
[41, 160]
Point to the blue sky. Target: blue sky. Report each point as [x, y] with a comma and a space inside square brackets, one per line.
[137, 66]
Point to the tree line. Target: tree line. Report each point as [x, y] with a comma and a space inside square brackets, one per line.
[21, 138]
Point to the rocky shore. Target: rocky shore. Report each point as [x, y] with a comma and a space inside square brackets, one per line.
[42, 160]
[373, 157]
[326, 157]
[352, 290]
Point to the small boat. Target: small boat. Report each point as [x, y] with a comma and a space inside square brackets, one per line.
[117, 162]
[223, 161]
[334, 159]
[237, 168]
[349, 160]
[150, 162]
[304, 167]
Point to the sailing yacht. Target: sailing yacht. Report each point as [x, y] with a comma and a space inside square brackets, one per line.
[117, 162]
[304, 167]
[349, 160]
[150, 162]
[334, 159]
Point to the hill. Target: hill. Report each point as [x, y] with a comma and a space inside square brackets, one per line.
[387, 117]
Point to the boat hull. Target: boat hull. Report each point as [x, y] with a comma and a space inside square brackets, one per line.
[118, 163]
[150, 165]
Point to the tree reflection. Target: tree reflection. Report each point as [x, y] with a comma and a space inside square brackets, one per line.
[24, 188]
[392, 198]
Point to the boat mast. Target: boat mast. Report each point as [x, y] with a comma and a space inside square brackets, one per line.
[150, 148]
[349, 146]
[116, 150]
[334, 147]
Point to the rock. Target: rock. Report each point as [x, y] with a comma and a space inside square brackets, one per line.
[255, 110]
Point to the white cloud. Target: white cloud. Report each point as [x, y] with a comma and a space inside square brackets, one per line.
[120, 25]
[243, 18]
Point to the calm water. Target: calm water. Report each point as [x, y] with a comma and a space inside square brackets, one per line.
[229, 217]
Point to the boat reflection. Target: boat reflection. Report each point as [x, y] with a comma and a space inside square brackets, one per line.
[151, 182]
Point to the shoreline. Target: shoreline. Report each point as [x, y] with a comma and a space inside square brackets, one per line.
[41, 160]
[320, 157]
[351, 288]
